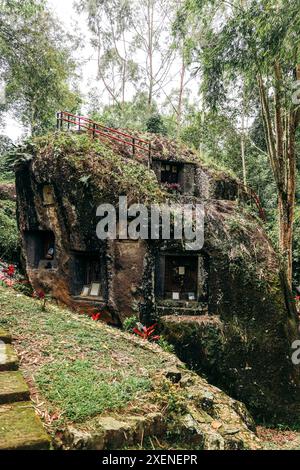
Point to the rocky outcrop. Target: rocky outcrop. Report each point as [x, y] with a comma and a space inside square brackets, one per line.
[201, 415]
[244, 344]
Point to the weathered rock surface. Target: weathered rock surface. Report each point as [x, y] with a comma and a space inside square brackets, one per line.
[8, 191]
[8, 358]
[21, 429]
[5, 336]
[206, 418]
[13, 387]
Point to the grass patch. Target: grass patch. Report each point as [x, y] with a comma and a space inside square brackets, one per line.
[65, 385]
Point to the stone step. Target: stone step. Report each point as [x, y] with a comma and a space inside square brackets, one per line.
[8, 358]
[4, 336]
[167, 310]
[21, 428]
[13, 387]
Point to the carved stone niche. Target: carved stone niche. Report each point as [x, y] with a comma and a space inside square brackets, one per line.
[182, 277]
[176, 173]
[48, 195]
[87, 275]
[40, 249]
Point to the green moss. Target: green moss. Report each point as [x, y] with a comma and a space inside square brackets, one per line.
[21, 429]
[91, 165]
[13, 387]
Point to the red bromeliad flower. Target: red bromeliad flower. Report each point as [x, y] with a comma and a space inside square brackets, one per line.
[96, 316]
[146, 333]
[10, 271]
[39, 294]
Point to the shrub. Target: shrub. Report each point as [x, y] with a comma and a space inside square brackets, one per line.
[130, 323]
[9, 237]
[167, 347]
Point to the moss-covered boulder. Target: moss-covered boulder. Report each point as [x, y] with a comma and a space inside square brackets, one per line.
[245, 322]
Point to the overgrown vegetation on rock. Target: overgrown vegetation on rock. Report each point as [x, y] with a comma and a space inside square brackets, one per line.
[84, 375]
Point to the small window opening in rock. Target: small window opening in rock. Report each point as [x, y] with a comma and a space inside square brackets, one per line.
[181, 275]
[170, 173]
[40, 249]
[86, 275]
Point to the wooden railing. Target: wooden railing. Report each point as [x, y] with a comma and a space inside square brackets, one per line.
[138, 148]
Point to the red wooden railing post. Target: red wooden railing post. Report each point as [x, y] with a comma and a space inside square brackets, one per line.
[140, 147]
[150, 156]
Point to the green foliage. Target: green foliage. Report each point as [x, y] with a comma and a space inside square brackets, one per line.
[132, 114]
[9, 235]
[36, 64]
[216, 136]
[167, 347]
[130, 323]
[173, 398]
[109, 173]
[156, 125]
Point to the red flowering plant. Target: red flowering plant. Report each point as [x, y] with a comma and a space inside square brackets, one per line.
[7, 274]
[145, 332]
[172, 187]
[11, 277]
[42, 297]
[96, 316]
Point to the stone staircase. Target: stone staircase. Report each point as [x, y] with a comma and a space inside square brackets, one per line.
[20, 427]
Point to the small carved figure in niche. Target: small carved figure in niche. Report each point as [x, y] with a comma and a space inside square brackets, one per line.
[50, 253]
[48, 195]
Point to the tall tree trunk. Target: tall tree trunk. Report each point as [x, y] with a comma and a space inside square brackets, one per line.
[243, 146]
[150, 19]
[286, 216]
[280, 138]
[181, 90]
